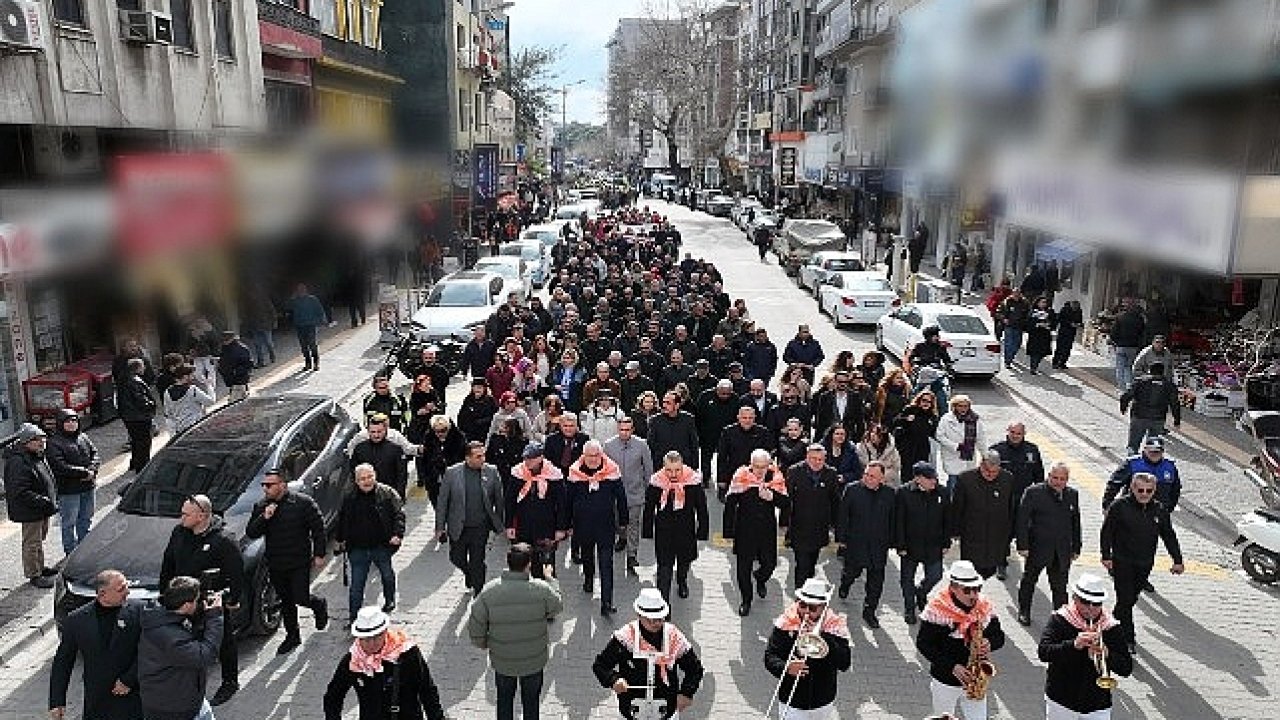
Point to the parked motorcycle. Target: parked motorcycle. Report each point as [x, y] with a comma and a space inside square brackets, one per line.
[1259, 533]
[1261, 418]
[937, 379]
[406, 356]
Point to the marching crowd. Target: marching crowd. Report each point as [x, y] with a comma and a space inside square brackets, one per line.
[625, 409]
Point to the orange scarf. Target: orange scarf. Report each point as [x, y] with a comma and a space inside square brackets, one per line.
[371, 664]
[674, 645]
[688, 476]
[548, 473]
[608, 471]
[943, 610]
[744, 480]
[1105, 621]
[833, 623]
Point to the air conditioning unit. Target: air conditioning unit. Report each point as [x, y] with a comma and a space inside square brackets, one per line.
[20, 26]
[145, 27]
[65, 151]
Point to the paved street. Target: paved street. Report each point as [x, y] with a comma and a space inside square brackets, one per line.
[1208, 645]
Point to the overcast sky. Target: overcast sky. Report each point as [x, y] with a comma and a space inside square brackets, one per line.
[582, 27]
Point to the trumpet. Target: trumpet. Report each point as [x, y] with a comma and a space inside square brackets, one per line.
[809, 645]
[1105, 680]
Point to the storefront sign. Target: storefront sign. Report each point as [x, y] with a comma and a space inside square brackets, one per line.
[462, 169]
[15, 297]
[760, 159]
[172, 202]
[557, 160]
[787, 167]
[485, 180]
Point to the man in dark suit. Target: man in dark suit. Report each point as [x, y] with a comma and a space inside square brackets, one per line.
[760, 398]
[469, 508]
[105, 633]
[842, 406]
[1048, 532]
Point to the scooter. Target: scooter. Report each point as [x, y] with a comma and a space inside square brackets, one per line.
[937, 379]
[1260, 536]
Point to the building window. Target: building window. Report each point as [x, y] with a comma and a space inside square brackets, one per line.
[180, 10]
[222, 41]
[69, 11]
[464, 109]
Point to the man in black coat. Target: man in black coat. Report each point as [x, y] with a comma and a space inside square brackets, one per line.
[982, 514]
[808, 685]
[105, 633]
[74, 460]
[383, 672]
[673, 429]
[31, 498]
[1048, 537]
[633, 385]
[235, 364]
[295, 542]
[866, 534]
[675, 518]
[478, 354]
[737, 443]
[387, 458]
[755, 495]
[715, 410]
[537, 506]
[1127, 542]
[810, 517]
[370, 527]
[788, 407]
[137, 408]
[921, 511]
[841, 406]
[199, 547]
[1071, 642]
[758, 396]
[1022, 459]
[1149, 400]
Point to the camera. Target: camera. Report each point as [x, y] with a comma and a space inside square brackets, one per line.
[211, 586]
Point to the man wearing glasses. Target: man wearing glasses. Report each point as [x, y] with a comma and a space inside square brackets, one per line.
[1151, 460]
[808, 688]
[1130, 530]
[295, 537]
[1075, 638]
[952, 616]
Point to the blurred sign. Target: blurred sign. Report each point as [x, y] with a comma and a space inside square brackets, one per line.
[173, 202]
[485, 180]
[787, 166]
[557, 160]
[462, 169]
[520, 150]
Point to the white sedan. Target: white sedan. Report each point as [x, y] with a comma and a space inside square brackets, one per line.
[973, 349]
[534, 254]
[824, 264]
[513, 270]
[856, 298]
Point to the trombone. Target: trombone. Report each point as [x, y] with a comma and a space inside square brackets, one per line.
[1105, 680]
[808, 645]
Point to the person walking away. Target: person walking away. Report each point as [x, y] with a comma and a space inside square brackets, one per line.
[31, 498]
[186, 401]
[200, 547]
[203, 345]
[388, 672]
[763, 240]
[1080, 636]
[235, 365]
[509, 618]
[1048, 530]
[1126, 338]
[137, 408]
[635, 461]
[921, 510]
[675, 518]
[650, 650]
[74, 461]
[994, 298]
[176, 649]
[982, 514]
[809, 685]
[1012, 317]
[307, 313]
[916, 246]
[598, 506]
[369, 529]
[956, 616]
[1040, 326]
[1149, 400]
[1070, 320]
[470, 507]
[866, 534]
[812, 516]
[295, 543]
[105, 633]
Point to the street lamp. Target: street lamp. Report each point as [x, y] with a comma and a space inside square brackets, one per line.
[564, 100]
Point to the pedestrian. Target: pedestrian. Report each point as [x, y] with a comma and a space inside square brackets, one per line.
[760, 358]
[997, 296]
[958, 624]
[1130, 529]
[763, 240]
[477, 411]
[841, 406]
[137, 408]
[1041, 322]
[509, 618]
[982, 514]
[31, 498]
[865, 533]
[537, 507]
[913, 429]
[257, 324]
[382, 400]
[1126, 339]
[370, 529]
[804, 351]
[649, 663]
[442, 448]
[1070, 321]
[921, 511]
[295, 543]
[131, 349]
[105, 634]
[673, 429]
[235, 365]
[200, 547]
[388, 458]
[179, 641]
[756, 494]
[203, 345]
[1080, 639]
[388, 672]
[916, 246]
[470, 507]
[877, 444]
[1157, 352]
[675, 518]
[567, 379]
[1048, 531]
[307, 313]
[961, 436]
[1149, 400]
[1022, 459]
[1012, 316]
[635, 462]
[600, 421]
[186, 401]
[1151, 460]
[74, 461]
[602, 381]
[598, 506]
[811, 516]
[808, 686]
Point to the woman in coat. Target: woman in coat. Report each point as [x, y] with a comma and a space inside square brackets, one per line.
[506, 447]
[544, 423]
[961, 436]
[913, 429]
[477, 412]
[646, 408]
[443, 446]
[423, 404]
[877, 444]
[872, 368]
[1070, 320]
[1040, 327]
[841, 455]
[892, 395]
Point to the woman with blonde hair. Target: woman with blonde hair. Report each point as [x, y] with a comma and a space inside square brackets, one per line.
[552, 409]
[892, 395]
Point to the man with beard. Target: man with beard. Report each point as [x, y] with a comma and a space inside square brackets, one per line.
[633, 385]
[842, 406]
[673, 429]
[755, 495]
[811, 515]
[598, 505]
[388, 458]
[675, 518]
[470, 507]
[537, 507]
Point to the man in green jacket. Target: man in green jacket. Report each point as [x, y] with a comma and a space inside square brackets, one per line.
[509, 619]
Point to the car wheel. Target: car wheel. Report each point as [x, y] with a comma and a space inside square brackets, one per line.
[879, 338]
[266, 605]
[1261, 565]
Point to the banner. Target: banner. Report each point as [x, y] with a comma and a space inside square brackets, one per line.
[485, 178]
[557, 160]
[787, 165]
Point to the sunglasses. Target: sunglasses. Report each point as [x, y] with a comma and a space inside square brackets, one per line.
[270, 483]
[810, 607]
[1088, 603]
[962, 590]
[1148, 491]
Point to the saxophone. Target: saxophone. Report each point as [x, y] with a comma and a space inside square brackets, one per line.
[981, 669]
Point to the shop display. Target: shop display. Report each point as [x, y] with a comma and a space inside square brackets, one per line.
[50, 392]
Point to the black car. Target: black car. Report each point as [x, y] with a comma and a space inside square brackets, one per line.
[224, 456]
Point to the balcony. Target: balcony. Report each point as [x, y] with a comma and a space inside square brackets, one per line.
[855, 39]
[286, 16]
[355, 54]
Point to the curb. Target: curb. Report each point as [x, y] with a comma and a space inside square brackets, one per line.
[9, 648]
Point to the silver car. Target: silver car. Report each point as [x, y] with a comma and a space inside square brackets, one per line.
[457, 304]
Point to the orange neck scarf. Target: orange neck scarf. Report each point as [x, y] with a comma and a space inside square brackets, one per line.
[608, 471]
[371, 664]
[548, 473]
[744, 480]
[834, 623]
[943, 610]
[674, 645]
[676, 486]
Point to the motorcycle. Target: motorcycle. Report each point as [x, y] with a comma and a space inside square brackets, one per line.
[405, 355]
[1261, 418]
[933, 378]
[1259, 533]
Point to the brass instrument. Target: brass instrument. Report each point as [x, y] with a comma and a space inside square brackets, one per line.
[1105, 680]
[809, 645]
[981, 670]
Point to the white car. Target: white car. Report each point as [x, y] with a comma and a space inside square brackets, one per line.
[457, 303]
[973, 349]
[512, 269]
[534, 254]
[739, 212]
[856, 297]
[548, 233]
[824, 264]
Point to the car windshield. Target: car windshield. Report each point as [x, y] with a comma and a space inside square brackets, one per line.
[457, 294]
[868, 284]
[175, 474]
[844, 264]
[962, 324]
[497, 267]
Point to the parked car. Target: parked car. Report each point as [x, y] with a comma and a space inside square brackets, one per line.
[534, 254]
[825, 264]
[224, 456]
[799, 239]
[457, 303]
[856, 297]
[720, 205]
[973, 349]
[549, 233]
[512, 269]
[739, 213]
[703, 196]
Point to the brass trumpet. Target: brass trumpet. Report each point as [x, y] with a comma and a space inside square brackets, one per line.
[1105, 680]
[809, 645]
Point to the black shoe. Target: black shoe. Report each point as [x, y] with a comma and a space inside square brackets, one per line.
[306, 367]
[315, 365]
[1148, 587]
[224, 693]
[322, 613]
[744, 609]
[761, 589]
[289, 645]
[922, 599]
[42, 582]
[869, 617]
[620, 545]
[910, 617]
[588, 584]
[1024, 619]
[1002, 572]
[844, 590]
[682, 590]
[50, 572]
[388, 606]
[607, 610]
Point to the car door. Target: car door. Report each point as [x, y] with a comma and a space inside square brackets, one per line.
[309, 463]
[910, 330]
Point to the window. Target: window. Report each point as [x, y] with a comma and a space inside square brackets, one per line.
[222, 23]
[464, 109]
[182, 35]
[69, 11]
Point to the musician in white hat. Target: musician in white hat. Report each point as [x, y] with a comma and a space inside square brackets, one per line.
[387, 670]
[954, 614]
[649, 664]
[807, 687]
[1079, 636]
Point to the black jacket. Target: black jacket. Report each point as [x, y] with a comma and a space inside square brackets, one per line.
[1130, 530]
[29, 487]
[944, 651]
[778, 415]
[1153, 398]
[853, 420]
[190, 554]
[387, 459]
[679, 433]
[866, 525]
[134, 401]
[475, 415]
[1127, 330]
[632, 389]
[818, 688]
[235, 363]
[1023, 462]
[912, 430]
[173, 661]
[675, 533]
[714, 414]
[295, 533]
[103, 665]
[536, 519]
[74, 460]
[920, 521]
[615, 661]
[982, 515]
[388, 507]
[1168, 480]
[477, 357]
[734, 449]
[554, 449]
[419, 698]
[750, 521]
[1071, 678]
[811, 516]
[1048, 524]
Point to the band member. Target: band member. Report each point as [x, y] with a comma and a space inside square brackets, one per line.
[624, 664]
[1080, 641]
[537, 507]
[675, 517]
[755, 495]
[598, 505]
[808, 687]
[958, 625]
[810, 517]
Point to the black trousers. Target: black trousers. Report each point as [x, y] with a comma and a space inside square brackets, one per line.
[293, 588]
[1129, 579]
[593, 548]
[467, 554]
[704, 456]
[750, 554]
[1058, 571]
[875, 582]
[806, 564]
[677, 565]
[139, 443]
[228, 653]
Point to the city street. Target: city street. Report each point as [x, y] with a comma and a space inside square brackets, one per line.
[1208, 648]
